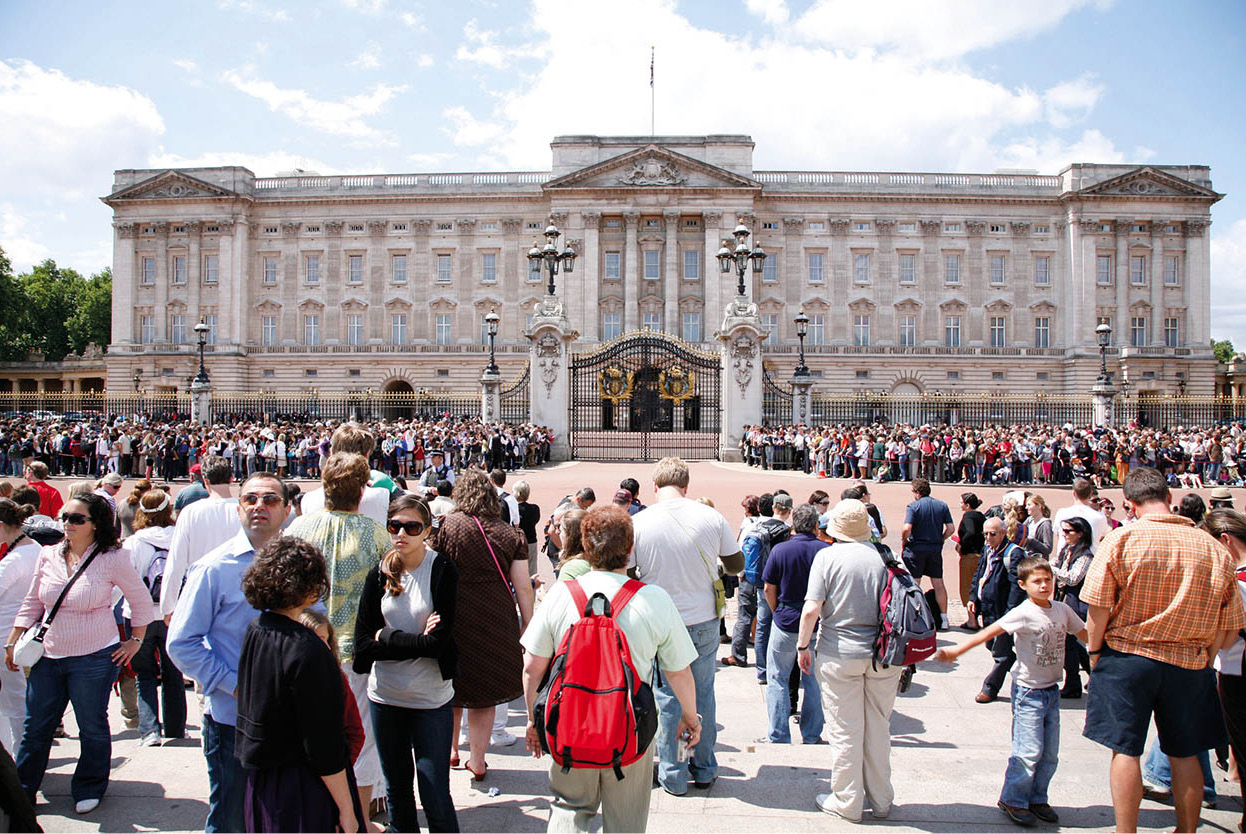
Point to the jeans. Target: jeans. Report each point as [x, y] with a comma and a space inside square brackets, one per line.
[1035, 746]
[1002, 650]
[227, 781]
[1157, 770]
[761, 637]
[152, 662]
[85, 681]
[779, 662]
[702, 764]
[751, 600]
[429, 733]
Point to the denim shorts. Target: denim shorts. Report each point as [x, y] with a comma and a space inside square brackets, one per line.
[1127, 689]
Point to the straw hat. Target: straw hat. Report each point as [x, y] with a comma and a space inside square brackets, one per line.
[850, 521]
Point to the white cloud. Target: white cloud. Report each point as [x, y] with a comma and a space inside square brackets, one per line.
[424, 61]
[467, 130]
[1072, 101]
[371, 7]
[369, 58]
[261, 164]
[258, 9]
[774, 12]
[195, 76]
[481, 47]
[412, 19]
[337, 118]
[17, 241]
[429, 161]
[1228, 276]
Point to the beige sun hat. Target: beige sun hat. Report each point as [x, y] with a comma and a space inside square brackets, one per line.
[850, 521]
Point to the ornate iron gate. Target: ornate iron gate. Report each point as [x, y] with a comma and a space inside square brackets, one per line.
[645, 396]
[514, 400]
[776, 403]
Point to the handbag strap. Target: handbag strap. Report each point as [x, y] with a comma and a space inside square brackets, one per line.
[47, 621]
[496, 563]
[709, 565]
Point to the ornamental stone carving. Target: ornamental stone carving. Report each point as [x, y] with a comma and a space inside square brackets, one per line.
[838, 226]
[591, 219]
[932, 227]
[671, 216]
[333, 227]
[177, 190]
[422, 225]
[290, 230]
[548, 359]
[161, 228]
[743, 350]
[558, 218]
[1020, 229]
[465, 225]
[377, 227]
[885, 226]
[1088, 227]
[126, 231]
[1195, 228]
[711, 218]
[1122, 226]
[975, 227]
[1060, 226]
[749, 219]
[193, 227]
[631, 218]
[1159, 225]
[652, 171]
[512, 225]
[793, 225]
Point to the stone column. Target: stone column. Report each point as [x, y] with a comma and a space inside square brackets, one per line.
[711, 279]
[514, 275]
[291, 280]
[588, 264]
[802, 400]
[975, 280]
[1157, 282]
[193, 266]
[1120, 229]
[741, 395]
[333, 281]
[377, 278]
[421, 278]
[1103, 394]
[229, 289]
[932, 281]
[1083, 282]
[124, 285]
[671, 274]
[1196, 282]
[467, 326]
[161, 310]
[201, 403]
[631, 273]
[490, 396]
[839, 284]
[550, 374]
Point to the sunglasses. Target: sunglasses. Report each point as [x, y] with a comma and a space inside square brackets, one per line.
[411, 528]
[74, 518]
[270, 499]
[1067, 530]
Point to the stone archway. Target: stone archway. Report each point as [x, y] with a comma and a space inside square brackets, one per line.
[399, 400]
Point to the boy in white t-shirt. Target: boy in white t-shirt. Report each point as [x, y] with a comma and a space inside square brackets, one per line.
[1038, 626]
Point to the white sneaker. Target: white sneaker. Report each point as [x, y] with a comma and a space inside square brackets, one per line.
[150, 740]
[86, 806]
[503, 739]
[822, 800]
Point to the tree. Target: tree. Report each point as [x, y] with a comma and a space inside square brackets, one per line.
[50, 300]
[92, 320]
[1223, 350]
[15, 337]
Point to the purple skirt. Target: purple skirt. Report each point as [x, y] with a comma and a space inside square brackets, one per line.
[292, 798]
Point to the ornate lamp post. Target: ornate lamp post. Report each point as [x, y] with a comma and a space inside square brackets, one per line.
[491, 323]
[802, 329]
[202, 330]
[1103, 393]
[1103, 334]
[741, 256]
[549, 256]
[138, 376]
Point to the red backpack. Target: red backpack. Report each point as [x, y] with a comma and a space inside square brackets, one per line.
[593, 710]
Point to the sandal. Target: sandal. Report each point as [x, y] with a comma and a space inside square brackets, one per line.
[729, 660]
[477, 776]
[454, 761]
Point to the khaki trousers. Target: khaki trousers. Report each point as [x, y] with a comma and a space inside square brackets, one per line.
[579, 792]
[968, 567]
[858, 699]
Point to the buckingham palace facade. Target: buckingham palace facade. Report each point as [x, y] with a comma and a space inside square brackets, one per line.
[913, 282]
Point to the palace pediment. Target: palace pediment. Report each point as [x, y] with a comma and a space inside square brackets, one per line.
[652, 166]
[1148, 182]
[170, 185]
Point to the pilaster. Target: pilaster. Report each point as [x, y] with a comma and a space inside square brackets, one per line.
[671, 273]
[631, 273]
[124, 284]
[161, 310]
[550, 337]
[589, 263]
[741, 396]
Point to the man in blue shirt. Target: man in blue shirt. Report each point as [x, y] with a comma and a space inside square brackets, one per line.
[927, 524]
[205, 639]
[787, 578]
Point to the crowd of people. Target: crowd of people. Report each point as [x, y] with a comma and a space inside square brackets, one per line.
[1031, 453]
[338, 638]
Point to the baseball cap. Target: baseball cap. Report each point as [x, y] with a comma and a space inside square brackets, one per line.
[623, 495]
[783, 502]
[196, 469]
[824, 520]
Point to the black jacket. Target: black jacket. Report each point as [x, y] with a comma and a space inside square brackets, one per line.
[1001, 592]
[403, 645]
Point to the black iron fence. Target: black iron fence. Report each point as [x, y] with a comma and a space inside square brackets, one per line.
[515, 400]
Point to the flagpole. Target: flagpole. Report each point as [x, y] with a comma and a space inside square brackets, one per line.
[651, 107]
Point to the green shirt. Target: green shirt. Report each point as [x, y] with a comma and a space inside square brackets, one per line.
[573, 570]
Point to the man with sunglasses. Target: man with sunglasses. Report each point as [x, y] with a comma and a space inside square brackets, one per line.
[201, 527]
[205, 638]
[996, 592]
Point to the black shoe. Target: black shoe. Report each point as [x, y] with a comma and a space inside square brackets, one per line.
[1070, 694]
[906, 678]
[1045, 813]
[705, 786]
[1021, 816]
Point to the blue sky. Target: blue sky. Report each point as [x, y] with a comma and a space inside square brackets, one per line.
[401, 85]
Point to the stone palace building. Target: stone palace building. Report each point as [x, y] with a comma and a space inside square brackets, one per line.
[913, 282]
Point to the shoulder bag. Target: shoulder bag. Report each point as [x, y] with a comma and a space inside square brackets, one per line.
[28, 649]
[509, 587]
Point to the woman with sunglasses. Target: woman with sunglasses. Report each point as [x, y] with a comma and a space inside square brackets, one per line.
[81, 650]
[17, 568]
[1070, 570]
[404, 636]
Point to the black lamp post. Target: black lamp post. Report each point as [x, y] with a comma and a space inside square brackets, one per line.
[138, 376]
[1103, 334]
[550, 257]
[1181, 387]
[741, 256]
[189, 380]
[491, 323]
[202, 330]
[802, 329]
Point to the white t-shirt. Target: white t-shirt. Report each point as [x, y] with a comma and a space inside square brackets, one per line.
[1038, 634]
[17, 569]
[416, 683]
[375, 503]
[1228, 661]
[650, 622]
[1097, 520]
[665, 553]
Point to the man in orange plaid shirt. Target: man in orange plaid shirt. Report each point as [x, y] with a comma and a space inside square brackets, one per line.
[1163, 599]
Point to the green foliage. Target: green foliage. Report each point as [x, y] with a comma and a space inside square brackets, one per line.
[1223, 350]
[52, 310]
[92, 321]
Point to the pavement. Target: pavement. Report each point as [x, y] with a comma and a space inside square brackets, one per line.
[948, 755]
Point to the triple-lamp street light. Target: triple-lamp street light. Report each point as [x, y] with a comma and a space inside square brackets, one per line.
[202, 330]
[550, 257]
[741, 256]
[802, 329]
[491, 325]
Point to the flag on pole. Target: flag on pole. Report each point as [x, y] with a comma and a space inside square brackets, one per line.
[651, 66]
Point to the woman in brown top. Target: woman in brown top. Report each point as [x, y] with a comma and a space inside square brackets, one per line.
[492, 558]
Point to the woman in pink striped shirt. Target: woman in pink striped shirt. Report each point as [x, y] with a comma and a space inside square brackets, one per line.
[81, 649]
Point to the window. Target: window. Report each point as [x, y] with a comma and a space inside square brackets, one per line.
[354, 329]
[1138, 228]
[612, 266]
[953, 374]
[1108, 321]
[210, 321]
[908, 331]
[1042, 376]
[863, 374]
[398, 269]
[652, 321]
[692, 223]
[534, 271]
[612, 223]
[908, 227]
[770, 326]
[355, 266]
[443, 328]
[149, 270]
[490, 226]
[311, 330]
[1171, 332]
[147, 329]
[212, 228]
[611, 329]
[489, 268]
[398, 329]
[269, 373]
[817, 226]
[1137, 270]
[443, 269]
[998, 334]
[311, 230]
[951, 227]
[211, 269]
[770, 269]
[861, 269]
[951, 269]
[1042, 229]
[268, 330]
[769, 225]
[1105, 227]
[951, 331]
[402, 227]
[1137, 331]
[860, 227]
[908, 269]
[270, 271]
[1103, 270]
[310, 372]
[1042, 331]
[446, 227]
[998, 228]
[312, 267]
[997, 376]
[1042, 270]
[653, 266]
[179, 269]
[815, 267]
[651, 223]
[355, 227]
[817, 330]
[691, 331]
[692, 266]
[177, 329]
[352, 372]
[1172, 270]
[861, 330]
[997, 269]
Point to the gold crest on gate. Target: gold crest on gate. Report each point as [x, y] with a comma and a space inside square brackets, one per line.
[615, 384]
[676, 384]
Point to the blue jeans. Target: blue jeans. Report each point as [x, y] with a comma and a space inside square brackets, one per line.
[781, 658]
[1035, 746]
[1157, 770]
[152, 662]
[761, 637]
[702, 764]
[751, 602]
[86, 682]
[227, 781]
[429, 733]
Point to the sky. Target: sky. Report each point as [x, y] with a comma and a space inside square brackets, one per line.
[405, 86]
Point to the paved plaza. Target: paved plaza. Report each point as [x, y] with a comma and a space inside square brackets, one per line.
[948, 758]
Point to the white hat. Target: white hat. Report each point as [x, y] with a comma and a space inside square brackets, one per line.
[850, 521]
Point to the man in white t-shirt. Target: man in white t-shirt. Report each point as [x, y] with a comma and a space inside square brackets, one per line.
[202, 527]
[679, 543]
[1084, 492]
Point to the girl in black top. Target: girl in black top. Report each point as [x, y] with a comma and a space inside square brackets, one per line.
[969, 544]
[290, 732]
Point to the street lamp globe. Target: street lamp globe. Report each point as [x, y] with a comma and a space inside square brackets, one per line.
[1103, 334]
